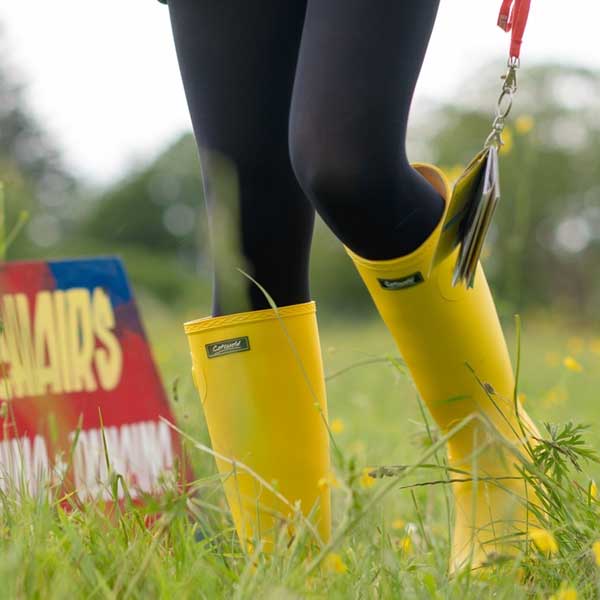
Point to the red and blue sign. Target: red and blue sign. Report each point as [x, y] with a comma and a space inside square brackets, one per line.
[76, 374]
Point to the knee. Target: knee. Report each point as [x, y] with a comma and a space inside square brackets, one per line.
[339, 170]
[320, 173]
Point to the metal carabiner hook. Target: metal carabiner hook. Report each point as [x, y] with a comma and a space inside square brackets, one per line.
[504, 104]
[510, 77]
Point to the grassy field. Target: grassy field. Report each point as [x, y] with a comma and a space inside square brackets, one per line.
[396, 546]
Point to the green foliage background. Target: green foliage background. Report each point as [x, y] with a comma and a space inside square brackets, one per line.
[542, 259]
[542, 255]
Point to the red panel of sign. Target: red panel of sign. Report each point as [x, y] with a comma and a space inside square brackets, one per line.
[76, 372]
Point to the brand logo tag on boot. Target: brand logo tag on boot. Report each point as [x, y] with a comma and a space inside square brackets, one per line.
[402, 282]
[223, 347]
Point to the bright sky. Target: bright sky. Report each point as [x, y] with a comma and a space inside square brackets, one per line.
[103, 78]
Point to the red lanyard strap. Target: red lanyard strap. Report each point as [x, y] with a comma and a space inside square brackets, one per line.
[513, 16]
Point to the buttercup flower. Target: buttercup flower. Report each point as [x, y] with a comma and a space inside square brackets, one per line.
[366, 481]
[405, 545]
[524, 124]
[596, 551]
[454, 172]
[565, 593]
[329, 481]
[507, 138]
[544, 541]
[398, 524]
[337, 426]
[335, 564]
[572, 364]
[555, 395]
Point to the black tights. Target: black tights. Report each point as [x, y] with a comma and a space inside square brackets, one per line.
[306, 98]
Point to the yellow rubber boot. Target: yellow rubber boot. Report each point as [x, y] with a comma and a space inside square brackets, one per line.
[260, 379]
[440, 331]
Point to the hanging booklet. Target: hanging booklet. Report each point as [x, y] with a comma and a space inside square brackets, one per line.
[477, 191]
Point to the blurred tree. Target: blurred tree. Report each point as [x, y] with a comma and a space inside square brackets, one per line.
[61, 211]
[543, 249]
[161, 209]
[155, 219]
[31, 169]
[157, 207]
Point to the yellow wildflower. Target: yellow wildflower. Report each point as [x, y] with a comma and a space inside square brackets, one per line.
[337, 426]
[398, 524]
[593, 490]
[565, 593]
[555, 395]
[405, 545]
[507, 138]
[329, 481]
[335, 564]
[572, 364]
[524, 124]
[595, 345]
[552, 359]
[366, 481]
[454, 172]
[576, 344]
[544, 541]
[596, 551]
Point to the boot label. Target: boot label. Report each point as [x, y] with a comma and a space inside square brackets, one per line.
[402, 282]
[223, 347]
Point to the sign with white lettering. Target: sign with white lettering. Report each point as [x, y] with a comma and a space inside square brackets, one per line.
[76, 373]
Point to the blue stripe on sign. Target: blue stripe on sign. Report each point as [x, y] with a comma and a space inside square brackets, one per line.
[106, 272]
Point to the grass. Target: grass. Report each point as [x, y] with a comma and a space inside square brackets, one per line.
[398, 540]
[391, 535]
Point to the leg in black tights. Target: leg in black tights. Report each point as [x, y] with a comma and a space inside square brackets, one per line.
[237, 59]
[358, 66]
